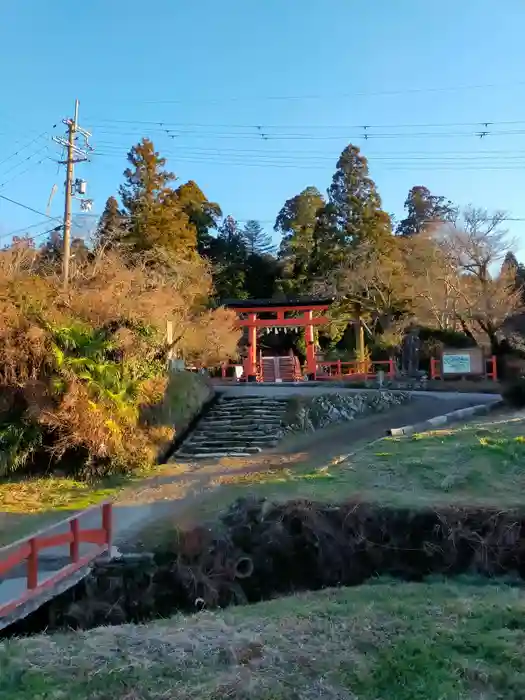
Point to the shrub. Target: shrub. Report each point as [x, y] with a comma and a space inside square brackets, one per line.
[76, 367]
[170, 404]
[514, 392]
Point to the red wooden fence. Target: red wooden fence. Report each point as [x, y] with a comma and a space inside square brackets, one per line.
[27, 550]
[491, 368]
[355, 369]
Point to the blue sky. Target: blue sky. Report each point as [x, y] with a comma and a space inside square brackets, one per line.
[255, 100]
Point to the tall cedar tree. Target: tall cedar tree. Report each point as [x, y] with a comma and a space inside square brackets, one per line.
[110, 228]
[229, 255]
[157, 217]
[353, 214]
[296, 222]
[204, 215]
[256, 240]
[425, 210]
[516, 271]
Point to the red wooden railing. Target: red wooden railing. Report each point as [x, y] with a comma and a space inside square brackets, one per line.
[491, 368]
[355, 369]
[27, 550]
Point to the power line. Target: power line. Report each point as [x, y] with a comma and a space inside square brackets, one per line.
[319, 156]
[426, 164]
[24, 229]
[26, 169]
[277, 136]
[25, 206]
[121, 148]
[164, 124]
[325, 96]
[22, 148]
[35, 237]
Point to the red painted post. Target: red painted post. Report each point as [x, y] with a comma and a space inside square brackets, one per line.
[310, 343]
[107, 523]
[74, 546]
[494, 373]
[339, 370]
[252, 347]
[32, 564]
[223, 371]
[391, 369]
[433, 368]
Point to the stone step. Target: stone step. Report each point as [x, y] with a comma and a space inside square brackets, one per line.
[238, 424]
[239, 431]
[236, 427]
[245, 418]
[211, 455]
[248, 417]
[215, 446]
[246, 409]
[261, 440]
[253, 403]
[244, 412]
[226, 448]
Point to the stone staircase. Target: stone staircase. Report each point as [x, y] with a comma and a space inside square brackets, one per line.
[283, 369]
[236, 426]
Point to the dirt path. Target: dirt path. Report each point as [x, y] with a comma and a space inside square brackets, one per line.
[180, 487]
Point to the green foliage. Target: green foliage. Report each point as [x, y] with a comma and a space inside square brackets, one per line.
[297, 222]
[257, 242]
[261, 273]
[229, 254]
[238, 272]
[85, 354]
[111, 227]
[18, 442]
[515, 271]
[354, 213]
[203, 215]
[157, 216]
[425, 210]
[514, 392]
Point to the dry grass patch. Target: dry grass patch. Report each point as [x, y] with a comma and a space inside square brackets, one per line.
[374, 642]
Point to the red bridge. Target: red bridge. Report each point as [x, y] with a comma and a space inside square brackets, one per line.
[21, 592]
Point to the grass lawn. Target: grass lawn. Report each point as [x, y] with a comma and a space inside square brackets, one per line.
[480, 463]
[383, 641]
[29, 504]
[460, 640]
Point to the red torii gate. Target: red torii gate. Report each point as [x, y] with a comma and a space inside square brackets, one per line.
[248, 311]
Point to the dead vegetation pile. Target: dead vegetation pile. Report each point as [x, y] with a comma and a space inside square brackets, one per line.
[260, 550]
[80, 368]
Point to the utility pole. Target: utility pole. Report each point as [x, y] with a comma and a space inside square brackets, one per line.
[75, 154]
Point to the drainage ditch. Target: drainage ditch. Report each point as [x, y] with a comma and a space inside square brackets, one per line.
[260, 550]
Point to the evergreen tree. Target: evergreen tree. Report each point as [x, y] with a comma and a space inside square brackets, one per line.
[515, 271]
[229, 255]
[297, 222]
[110, 229]
[353, 215]
[261, 275]
[256, 240]
[204, 215]
[157, 217]
[51, 250]
[423, 210]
